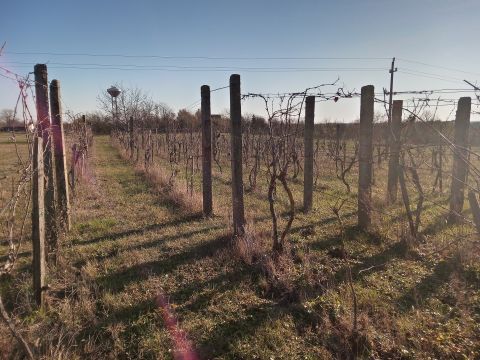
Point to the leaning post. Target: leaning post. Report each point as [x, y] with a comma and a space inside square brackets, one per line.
[60, 155]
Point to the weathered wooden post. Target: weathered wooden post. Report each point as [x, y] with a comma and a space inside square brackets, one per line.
[236, 143]
[460, 156]
[85, 133]
[38, 221]
[365, 157]
[73, 168]
[406, 199]
[43, 120]
[472, 198]
[440, 166]
[308, 157]
[132, 141]
[206, 151]
[394, 146]
[60, 155]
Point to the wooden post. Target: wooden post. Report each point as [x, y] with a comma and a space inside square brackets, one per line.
[472, 198]
[365, 157]
[132, 141]
[308, 158]
[406, 199]
[85, 133]
[395, 128]
[206, 151]
[440, 165]
[38, 222]
[43, 120]
[41, 96]
[60, 155]
[460, 156]
[236, 142]
[73, 167]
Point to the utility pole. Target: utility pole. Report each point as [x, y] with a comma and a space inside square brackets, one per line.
[392, 70]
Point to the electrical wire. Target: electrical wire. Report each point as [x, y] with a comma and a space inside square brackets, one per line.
[193, 57]
[437, 66]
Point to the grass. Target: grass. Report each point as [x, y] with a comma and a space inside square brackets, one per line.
[130, 244]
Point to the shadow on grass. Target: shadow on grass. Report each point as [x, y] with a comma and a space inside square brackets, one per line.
[324, 221]
[402, 216]
[351, 232]
[219, 340]
[142, 230]
[110, 253]
[207, 289]
[213, 343]
[117, 281]
[128, 317]
[437, 225]
[429, 285]
[20, 255]
[371, 263]
[374, 263]
[221, 180]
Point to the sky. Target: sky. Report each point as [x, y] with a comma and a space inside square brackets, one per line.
[170, 48]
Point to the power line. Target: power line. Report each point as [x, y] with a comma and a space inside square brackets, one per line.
[432, 74]
[430, 92]
[196, 67]
[220, 88]
[8, 77]
[427, 76]
[193, 57]
[177, 68]
[437, 66]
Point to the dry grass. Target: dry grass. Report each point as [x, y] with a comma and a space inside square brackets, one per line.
[172, 192]
[168, 189]
[131, 242]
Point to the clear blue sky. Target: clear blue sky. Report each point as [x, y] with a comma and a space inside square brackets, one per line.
[442, 33]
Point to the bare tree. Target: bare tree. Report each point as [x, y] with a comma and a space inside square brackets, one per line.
[8, 118]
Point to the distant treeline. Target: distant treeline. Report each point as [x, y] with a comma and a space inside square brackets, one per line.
[414, 131]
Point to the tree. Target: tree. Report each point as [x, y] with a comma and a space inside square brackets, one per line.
[7, 118]
[187, 120]
[259, 124]
[133, 102]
